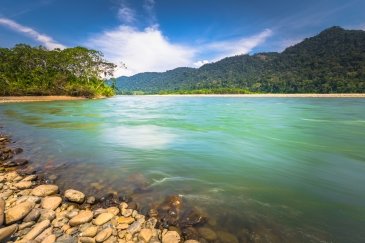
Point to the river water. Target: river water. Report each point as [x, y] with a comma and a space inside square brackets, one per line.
[263, 169]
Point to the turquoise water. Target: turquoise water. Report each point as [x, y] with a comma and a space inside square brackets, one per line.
[278, 169]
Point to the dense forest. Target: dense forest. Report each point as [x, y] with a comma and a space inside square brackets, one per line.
[331, 62]
[26, 70]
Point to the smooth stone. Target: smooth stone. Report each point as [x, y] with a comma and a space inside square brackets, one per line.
[226, 237]
[125, 220]
[103, 235]
[18, 212]
[145, 235]
[89, 232]
[191, 241]
[47, 214]
[49, 239]
[23, 185]
[51, 202]
[171, 237]
[90, 200]
[66, 239]
[135, 227]
[26, 225]
[86, 240]
[37, 229]
[11, 176]
[33, 215]
[122, 226]
[47, 232]
[72, 213]
[71, 231]
[207, 233]
[7, 231]
[30, 178]
[44, 190]
[29, 199]
[74, 196]
[83, 217]
[2, 211]
[103, 218]
[113, 210]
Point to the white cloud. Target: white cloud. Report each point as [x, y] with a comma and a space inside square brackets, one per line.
[200, 63]
[149, 50]
[141, 51]
[149, 7]
[126, 14]
[239, 46]
[45, 40]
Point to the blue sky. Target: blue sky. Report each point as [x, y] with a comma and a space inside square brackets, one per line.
[158, 35]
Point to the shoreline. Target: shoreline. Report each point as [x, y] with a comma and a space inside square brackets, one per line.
[34, 208]
[344, 95]
[18, 99]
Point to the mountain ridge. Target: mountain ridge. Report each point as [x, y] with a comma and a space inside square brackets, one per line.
[331, 62]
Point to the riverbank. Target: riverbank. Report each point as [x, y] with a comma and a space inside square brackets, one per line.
[357, 95]
[17, 99]
[35, 209]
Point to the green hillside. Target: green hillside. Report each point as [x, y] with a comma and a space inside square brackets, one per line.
[331, 62]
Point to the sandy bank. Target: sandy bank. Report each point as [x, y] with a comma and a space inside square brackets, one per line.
[12, 99]
[270, 95]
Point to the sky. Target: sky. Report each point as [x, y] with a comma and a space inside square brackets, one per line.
[159, 35]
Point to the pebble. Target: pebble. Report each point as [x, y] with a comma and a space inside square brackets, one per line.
[51, 202]
[103, 218]
[18, 212]
[74, 196]
[2, 211]
[83, 217]
[45, 190]
[89, 232]
[86, 240]
[49, 239]
[23, 185]
[171, 237]
[33, 215]
[145, 235]
[113, 210]
[37, 229]
[7, 231]
[103, 235]
[125, 220]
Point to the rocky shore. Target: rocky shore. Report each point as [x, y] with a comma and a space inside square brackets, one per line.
[33, 210]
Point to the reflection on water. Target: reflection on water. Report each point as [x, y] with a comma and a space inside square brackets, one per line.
[266, 170]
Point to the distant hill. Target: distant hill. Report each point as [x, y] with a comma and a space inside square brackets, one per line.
[331, 62]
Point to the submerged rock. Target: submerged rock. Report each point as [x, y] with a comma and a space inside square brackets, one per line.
[171, 237]
[207, 233]
[74, 196]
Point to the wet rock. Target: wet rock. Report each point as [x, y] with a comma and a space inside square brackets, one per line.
[74, 196]
[191, 218]
[37, 229]
[207, 233]
[47, 214]
[89, 232]
[136, 226]
[226, 237]
[16, 162]
[171, 237]
[30, 178]
[49, 239]
[33, 215]
[18, 212]
[23, 185]
[2, 211]
[47, 232]
[103, 218]
[11, 176]
[86, 240]
[90, 200]
[145, 235]
[151, 223]
[83, 217]
[7, 231]
[103, 235]
[153, 213]
[44, 190]
[113, 210]
[66, 239]
[125, 220]
[191, 241]
[26, 225]
[51, 202]
[190, 233]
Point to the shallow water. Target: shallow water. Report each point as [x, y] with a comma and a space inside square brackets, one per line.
[284, 169]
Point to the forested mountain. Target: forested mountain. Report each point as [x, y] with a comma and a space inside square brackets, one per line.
[26, 70]
[331, 62]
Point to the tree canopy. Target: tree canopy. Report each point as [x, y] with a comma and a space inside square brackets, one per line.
[78, 71]
[331, 62]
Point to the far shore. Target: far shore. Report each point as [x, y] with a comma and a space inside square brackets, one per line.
[361, 95]
[13, 99]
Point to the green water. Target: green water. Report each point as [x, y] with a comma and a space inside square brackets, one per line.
[282, 169]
